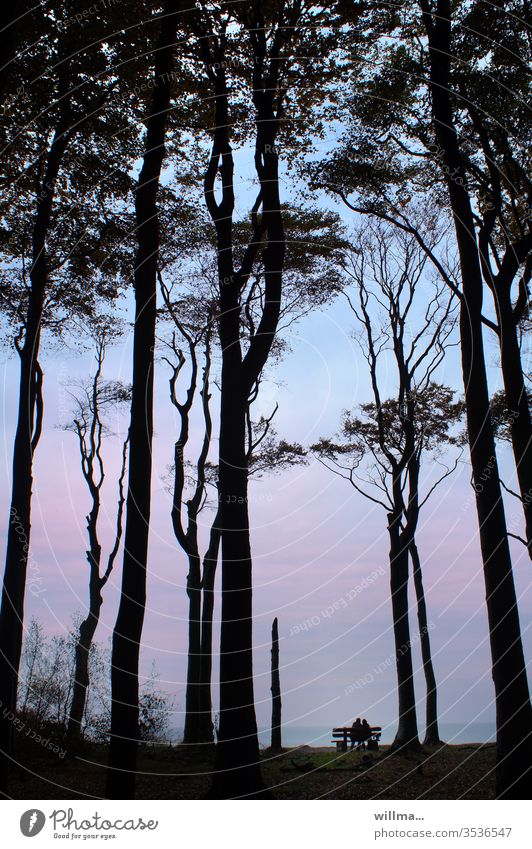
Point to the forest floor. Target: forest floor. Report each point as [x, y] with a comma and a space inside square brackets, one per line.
[444, 772]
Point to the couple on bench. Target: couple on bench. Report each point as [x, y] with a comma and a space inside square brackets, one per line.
[360, 733]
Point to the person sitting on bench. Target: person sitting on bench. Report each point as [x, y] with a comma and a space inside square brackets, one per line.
[356, 733]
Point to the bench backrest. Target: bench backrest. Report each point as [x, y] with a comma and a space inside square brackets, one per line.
[348, 730]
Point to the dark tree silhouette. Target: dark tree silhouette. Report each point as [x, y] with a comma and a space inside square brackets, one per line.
[514, 712]
[28, 432]
[200, 581]
[237, 753]
[194, 318]
[392, 155]
[389, 270]
[429, 123]
[128, 628]
[50, 247]
[276, 743]
[259, 47]
[93, 400]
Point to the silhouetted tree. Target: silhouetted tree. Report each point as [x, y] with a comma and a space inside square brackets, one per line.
[52, 248]
[514, 713]
[198, 713]
[194, 318]
[93, 400]
[429, 123]
[276, 743]
[393, 154]
[389, 271]
[258, 46]
[128, 628]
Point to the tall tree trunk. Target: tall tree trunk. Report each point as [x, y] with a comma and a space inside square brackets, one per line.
[513, 710]
[407, 732]
[237, 767]
[28, 430]
[87, 630]
[209, 575]
[237, 753]
[128, 628]
[516, 402]
[276, 690]
[192, 730]
[432, 737]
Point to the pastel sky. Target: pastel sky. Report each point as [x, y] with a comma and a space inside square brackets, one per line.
[314, 541]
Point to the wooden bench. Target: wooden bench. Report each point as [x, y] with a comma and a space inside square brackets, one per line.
[342, 736]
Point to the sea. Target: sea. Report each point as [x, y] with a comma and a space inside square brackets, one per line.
[317, 736]
[453, 733]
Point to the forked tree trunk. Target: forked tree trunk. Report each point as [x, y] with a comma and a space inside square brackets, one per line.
[128, 629]
[513, 711]
[432, 737]
[88, 627]
[406, 737]
[276, 743]
[237, 768]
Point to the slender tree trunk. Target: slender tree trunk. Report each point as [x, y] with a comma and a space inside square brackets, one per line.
[237, 753]
[209, 575]
[128, 628]
[517, 404]
[513, 711]
[29, 424]
[407, 732]
[88, 627]
[87, 630]
[432, 737]
[276, 690]
[12, 613]
[192, 730]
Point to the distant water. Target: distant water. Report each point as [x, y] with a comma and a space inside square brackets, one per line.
[301, 735]
[294, 735]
